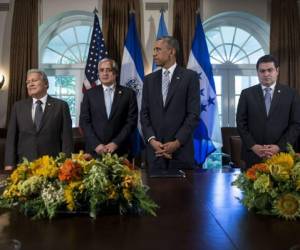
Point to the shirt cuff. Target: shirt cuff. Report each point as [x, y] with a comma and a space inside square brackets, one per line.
[150, 138]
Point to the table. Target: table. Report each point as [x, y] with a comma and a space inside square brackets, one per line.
[197, 212]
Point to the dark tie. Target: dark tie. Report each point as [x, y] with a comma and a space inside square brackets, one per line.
[38, 114]
[165, 85]
[268, 99]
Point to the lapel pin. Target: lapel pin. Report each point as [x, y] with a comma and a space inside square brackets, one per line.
[278, 91]
[120, 92]
[177, 77]
[49, 104]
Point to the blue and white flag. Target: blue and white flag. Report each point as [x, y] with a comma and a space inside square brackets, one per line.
[161, 31]
[97, 52]
[207, 136]
[132, 73]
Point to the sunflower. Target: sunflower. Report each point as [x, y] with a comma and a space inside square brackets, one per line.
[283, 159]
[287, 206]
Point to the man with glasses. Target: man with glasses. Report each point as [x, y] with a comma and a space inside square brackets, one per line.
[268, 114]
[39, 125]
[108, 114]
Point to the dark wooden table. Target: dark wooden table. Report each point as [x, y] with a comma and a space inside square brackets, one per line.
[198, 212]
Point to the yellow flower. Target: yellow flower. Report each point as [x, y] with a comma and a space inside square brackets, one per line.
[287, 206]
[68, 193]
[11, 192]
[127, 194]
[279, 172]
[19, 173]
[44, 166]
[283, 159]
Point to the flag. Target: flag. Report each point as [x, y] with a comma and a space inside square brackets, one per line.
[97, 52]
[132, 74]
[161, 31]
[207, 136]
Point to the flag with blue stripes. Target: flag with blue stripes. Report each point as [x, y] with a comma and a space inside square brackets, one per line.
[132, 74]
[161, 31]
[207, 136]
[97, 52]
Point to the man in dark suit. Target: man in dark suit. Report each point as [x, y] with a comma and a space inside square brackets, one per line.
[40, 125]
[108, 113]
[170, 109]
[268, 114]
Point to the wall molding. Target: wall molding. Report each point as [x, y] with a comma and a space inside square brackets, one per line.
[4, 6]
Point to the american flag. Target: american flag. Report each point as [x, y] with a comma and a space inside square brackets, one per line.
[97, 52]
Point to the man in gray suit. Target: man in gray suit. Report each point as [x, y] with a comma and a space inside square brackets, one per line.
[170, 109]
[40, 125]
[268, 114]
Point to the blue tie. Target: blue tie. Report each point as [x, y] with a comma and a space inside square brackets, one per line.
[165, 85]
[268, 99]
[108, 99]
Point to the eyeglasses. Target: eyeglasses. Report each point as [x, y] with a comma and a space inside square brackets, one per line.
[106, 70]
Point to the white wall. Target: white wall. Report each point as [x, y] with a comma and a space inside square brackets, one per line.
[50, 8]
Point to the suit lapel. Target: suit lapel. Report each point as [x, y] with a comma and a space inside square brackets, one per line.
[100, 98]
[176, 78]
[259, 96]
[49, 106]
[117, 96]
[157, 82]
[275, 98]
[28, 113]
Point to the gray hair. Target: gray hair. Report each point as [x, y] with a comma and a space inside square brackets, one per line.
[113, 64]
[42, 73]
[171, 41]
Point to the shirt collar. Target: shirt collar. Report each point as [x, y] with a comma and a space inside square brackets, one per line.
[113, 86]
[171, 70]
[43, 99]
[272, 87]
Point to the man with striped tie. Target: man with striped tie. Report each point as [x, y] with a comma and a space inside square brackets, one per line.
[170, 110]
[268, 114]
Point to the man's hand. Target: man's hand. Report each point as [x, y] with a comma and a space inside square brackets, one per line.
[259, 150]
[171, 147]
[8, 168]
[271, 150]
[100, 149]
[111, 147]
[159, 149]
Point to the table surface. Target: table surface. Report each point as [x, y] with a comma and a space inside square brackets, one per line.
[197, 212]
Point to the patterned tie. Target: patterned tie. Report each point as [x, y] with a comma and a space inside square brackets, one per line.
[165, 85]
[38, 114]
[108, 99]
[268, 99]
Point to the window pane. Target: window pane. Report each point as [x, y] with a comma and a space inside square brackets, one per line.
[50, 57]
[82, 33]
[227, 32]
[242, 82]
[63, 87]
[69, 36]
[240, 37]
[57, 44]
[218, 86]
[214, 36]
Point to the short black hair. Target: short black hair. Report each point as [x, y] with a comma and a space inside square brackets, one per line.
[267, 59]
[171, 41]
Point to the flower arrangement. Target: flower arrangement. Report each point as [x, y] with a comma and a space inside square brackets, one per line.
[273, 187]
[46, 186]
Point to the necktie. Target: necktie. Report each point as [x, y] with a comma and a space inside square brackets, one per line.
[165, 85]
[108, 100]
[268, 99]
[38, 114]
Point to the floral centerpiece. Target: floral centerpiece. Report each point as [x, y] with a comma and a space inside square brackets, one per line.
[45, 187]
[273, 187]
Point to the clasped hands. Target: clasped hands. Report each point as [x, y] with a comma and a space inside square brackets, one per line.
[164, 150]
[265, 151]
[108, 148]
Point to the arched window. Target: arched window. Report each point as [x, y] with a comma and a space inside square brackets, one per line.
[235, 41]
[64, 44]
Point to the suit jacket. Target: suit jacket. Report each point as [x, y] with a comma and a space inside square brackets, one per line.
[117, 128]
[54, 135]
[280, 126]
[176, 120]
